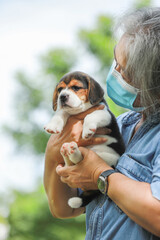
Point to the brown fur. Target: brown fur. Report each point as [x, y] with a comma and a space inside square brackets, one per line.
[91, 90]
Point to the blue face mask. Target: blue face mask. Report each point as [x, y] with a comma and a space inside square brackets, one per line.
[120, 91]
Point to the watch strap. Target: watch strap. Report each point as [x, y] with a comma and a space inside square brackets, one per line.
[105, 176]
[107, 173]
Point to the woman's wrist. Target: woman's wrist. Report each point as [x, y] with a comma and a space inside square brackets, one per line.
[98, 172]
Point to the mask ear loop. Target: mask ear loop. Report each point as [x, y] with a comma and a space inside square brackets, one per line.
[150, 89]
[156, 101]
[121, 81]
[154, 104]
[124, 84]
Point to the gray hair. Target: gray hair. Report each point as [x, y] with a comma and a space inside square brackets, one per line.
[142, 31]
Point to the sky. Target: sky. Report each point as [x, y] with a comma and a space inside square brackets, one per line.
[28, 28]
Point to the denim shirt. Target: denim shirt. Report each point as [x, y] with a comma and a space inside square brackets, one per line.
[140, 162]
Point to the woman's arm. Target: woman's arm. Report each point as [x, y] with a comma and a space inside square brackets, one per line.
[136, 200]
[58, 192]
[133, 197]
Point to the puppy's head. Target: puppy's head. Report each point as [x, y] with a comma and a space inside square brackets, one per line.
[77, 91]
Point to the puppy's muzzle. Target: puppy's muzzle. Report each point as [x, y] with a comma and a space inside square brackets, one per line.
[64, 98]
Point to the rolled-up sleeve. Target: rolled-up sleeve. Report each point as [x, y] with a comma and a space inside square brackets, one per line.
[155, 184]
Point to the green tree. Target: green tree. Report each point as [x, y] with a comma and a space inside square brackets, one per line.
[29, 216]
[142, 3]
[100, 42]
[30, 219]
[33, 99]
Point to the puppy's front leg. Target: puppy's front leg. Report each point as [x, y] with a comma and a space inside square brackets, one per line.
[57, 123]
[94, 120]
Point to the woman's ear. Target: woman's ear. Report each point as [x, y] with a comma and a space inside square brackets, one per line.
[96, 92]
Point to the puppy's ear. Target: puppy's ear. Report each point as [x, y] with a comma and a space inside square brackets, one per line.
[55, 97]
[96, 92]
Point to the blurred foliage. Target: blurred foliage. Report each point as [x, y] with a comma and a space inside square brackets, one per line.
[58, 62]
[142, 3]
[29, 216]
[100, 41]
[31, 219]
[33, 99]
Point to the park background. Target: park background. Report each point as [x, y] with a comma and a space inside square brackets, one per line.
[41, 40]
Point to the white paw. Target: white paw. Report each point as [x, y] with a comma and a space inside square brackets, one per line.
[71, 151]
[94, 120]
[75, 202]
[55, 125]
[89, 129]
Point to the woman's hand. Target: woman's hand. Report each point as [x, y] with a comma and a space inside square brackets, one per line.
[85, 174]
[73, 132]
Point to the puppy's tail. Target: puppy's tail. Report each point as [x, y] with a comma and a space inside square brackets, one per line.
[75, 202]
[84, 199]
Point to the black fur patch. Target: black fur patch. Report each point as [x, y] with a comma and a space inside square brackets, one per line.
[82, 77]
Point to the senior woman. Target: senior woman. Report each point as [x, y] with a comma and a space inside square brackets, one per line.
[130, 207]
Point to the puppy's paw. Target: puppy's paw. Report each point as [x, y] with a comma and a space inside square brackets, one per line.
[89, 129]
[65, 150]
[54, 126]
[71, 151]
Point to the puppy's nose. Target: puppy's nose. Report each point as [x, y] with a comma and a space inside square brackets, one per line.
[64, 98]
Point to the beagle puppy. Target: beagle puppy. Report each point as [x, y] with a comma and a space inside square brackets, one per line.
[75, 93]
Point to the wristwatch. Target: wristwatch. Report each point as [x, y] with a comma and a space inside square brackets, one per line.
[102, 181]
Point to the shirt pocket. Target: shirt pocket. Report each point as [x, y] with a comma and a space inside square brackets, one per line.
[134, 169]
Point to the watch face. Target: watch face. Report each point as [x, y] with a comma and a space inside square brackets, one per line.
[103, 180]
[102, 184]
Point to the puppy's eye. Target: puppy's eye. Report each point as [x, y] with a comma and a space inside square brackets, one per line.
[76, 88]
[60, 89]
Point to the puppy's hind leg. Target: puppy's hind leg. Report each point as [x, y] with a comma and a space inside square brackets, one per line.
[65, 154]
[72, 155]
